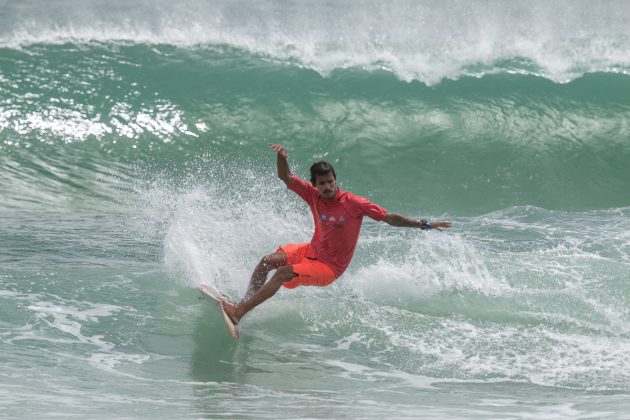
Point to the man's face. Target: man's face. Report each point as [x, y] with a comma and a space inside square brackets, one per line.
[326, 185]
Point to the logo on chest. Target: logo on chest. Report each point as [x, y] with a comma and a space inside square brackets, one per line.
[333, 220]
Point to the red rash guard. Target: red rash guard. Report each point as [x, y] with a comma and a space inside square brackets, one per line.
[337, 222]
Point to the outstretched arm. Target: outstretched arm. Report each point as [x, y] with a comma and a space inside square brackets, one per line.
[283, 164]
[402, 221]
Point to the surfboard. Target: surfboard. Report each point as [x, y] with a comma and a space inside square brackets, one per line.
[219, 298]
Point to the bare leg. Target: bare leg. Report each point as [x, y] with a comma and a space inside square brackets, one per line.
[284, 273]
[259, 276]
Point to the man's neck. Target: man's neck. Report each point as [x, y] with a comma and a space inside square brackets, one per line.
[334, 197]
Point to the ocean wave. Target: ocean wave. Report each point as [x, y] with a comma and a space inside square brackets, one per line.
[427, 41]
[81, 122]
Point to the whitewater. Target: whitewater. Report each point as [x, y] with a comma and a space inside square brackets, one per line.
[134, 165]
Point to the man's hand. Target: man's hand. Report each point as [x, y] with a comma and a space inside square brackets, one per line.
[438, 225]
[282, 151]
[282, 164]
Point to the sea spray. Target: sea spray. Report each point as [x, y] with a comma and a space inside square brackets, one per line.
[134, 164]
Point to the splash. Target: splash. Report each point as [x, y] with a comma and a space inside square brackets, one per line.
[426, 41]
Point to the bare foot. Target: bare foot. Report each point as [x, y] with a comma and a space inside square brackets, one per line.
[231, 311]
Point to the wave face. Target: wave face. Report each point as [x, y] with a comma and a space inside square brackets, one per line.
[134, 164]
[466, 147]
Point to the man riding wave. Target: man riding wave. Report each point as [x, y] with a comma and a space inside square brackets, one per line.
[338, 216]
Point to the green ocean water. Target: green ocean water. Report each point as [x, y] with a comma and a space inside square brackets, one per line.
[134, 164]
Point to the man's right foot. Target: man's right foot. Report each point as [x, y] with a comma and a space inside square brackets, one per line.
[231, 311]
[225, 298]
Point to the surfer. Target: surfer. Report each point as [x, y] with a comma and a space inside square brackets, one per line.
[338, 216]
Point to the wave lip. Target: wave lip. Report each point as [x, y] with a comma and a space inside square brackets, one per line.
[427, 42]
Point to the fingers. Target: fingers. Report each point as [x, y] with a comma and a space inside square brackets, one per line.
[278, 148]
[438, 225]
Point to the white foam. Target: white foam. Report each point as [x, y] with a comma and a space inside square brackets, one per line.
[65, 318]
[109, 360]
[427, 41]
[423, 266]
[216, 231]
[536, 354]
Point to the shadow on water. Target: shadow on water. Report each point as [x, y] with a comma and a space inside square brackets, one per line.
[213, 358]
[219, 366]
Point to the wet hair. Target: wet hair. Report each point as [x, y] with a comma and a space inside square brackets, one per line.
[321, 168]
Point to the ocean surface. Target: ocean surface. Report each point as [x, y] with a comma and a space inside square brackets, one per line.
[134, 165]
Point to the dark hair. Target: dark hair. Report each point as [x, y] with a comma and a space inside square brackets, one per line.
[321, 168]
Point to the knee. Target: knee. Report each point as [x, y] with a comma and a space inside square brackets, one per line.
[265, 263]
[269, 262]
[284, 273]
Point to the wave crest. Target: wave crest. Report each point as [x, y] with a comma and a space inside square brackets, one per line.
[416, 41]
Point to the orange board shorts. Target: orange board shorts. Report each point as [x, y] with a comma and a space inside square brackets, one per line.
[309, 271]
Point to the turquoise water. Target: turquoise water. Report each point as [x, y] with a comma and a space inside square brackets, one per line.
[133, 165]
